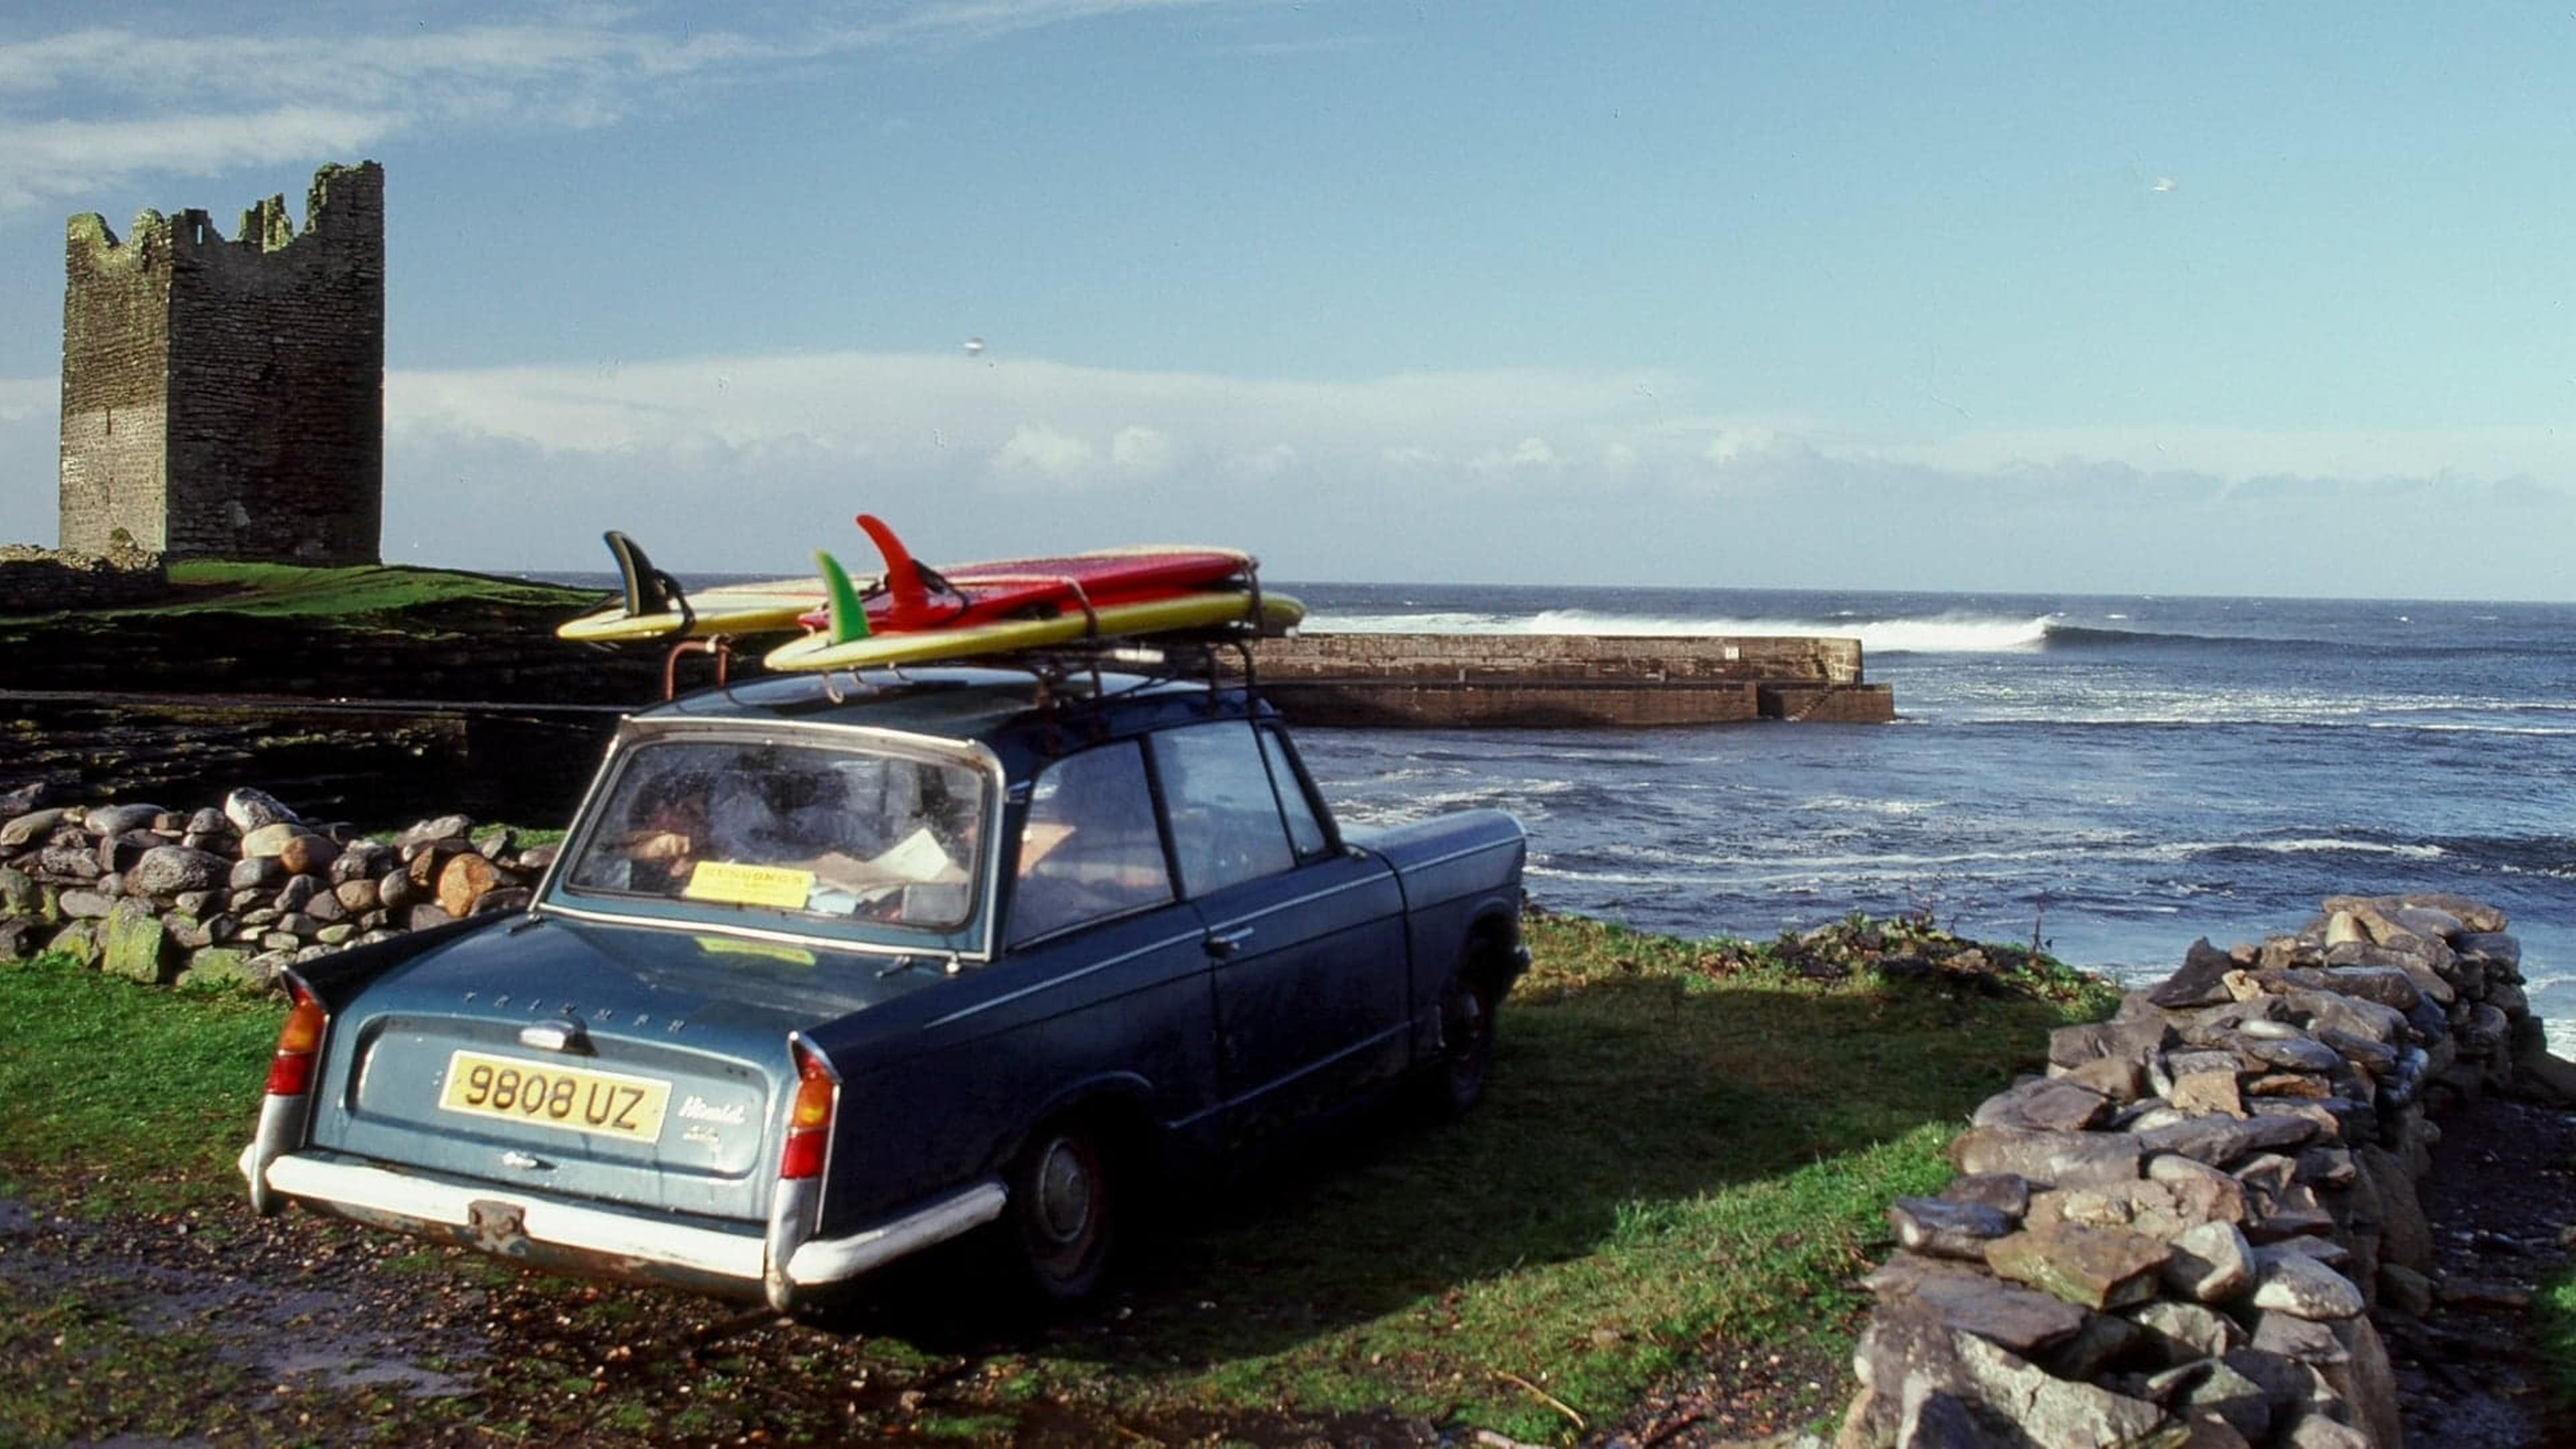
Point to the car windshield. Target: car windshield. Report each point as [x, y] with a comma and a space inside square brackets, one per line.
[810, 830]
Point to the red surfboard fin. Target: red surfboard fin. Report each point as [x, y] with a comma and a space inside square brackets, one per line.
[905, 590]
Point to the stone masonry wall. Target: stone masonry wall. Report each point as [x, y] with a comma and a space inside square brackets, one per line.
[1472, 658]
[225, 399]
[2183, 1233]
[39, 581]
[116, 376]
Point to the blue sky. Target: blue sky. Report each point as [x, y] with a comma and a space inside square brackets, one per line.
[2202, 299]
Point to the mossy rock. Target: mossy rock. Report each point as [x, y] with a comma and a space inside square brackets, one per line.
[21, 895]
[79, 941]
[134, 944]
[223, 968]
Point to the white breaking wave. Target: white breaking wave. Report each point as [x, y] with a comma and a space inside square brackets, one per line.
[1943, 634]
[2316, 845]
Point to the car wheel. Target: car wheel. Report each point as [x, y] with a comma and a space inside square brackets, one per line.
[1466, 1043]
[1063, 1208]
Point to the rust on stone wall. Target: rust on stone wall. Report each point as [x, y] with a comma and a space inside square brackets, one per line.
[1565, 680]
[225, 399]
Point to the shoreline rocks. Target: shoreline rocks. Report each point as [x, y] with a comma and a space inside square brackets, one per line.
[2216, 1189]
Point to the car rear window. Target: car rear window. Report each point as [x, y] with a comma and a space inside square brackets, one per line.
[803, 829]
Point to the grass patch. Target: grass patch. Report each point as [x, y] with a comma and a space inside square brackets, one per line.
[287, 591]
[2555, 1308]
[127, 1098]
[1689, 1148]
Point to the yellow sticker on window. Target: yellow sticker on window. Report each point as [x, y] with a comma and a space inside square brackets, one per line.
[735, 884]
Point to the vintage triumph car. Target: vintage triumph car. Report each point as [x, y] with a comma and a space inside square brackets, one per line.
[823, 976]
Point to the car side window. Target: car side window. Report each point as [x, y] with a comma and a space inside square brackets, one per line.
[1305, 827]
[1089, 849]
[1226, 825]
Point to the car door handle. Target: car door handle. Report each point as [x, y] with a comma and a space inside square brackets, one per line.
[1222, 944]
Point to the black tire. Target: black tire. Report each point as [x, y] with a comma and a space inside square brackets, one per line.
[1064, 1213]
[1466, 1042]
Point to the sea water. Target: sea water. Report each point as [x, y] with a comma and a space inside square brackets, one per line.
[2111, 777]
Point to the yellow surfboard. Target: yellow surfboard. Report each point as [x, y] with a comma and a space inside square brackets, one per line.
[655, 607]
[764, 608]
[1178, 613]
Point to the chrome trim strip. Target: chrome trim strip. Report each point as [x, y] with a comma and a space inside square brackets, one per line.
[1462, 854]
[836, 1260]
[837, 945]
[1052, 982]
[1305, 900]
[281, 1126]
[791, 1219]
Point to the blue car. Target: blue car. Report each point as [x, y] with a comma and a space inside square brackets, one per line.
[824, 975]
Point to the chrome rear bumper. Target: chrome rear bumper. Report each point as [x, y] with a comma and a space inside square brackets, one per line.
[781, 1265]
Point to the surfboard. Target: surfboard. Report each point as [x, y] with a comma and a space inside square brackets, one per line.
[908, 597]
[655, 607]
[1172, 614]
[911, 596]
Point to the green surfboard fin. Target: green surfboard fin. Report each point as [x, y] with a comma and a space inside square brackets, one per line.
[849, 616]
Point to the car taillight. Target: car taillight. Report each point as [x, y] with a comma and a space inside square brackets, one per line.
[290, 1074]
[809, 1121]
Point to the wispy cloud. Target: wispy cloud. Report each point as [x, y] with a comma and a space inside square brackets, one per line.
[749, 462]
[94, 108]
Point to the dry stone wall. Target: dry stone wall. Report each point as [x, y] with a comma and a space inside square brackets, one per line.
[230, 896]
[42, 581]
[2181, 1233]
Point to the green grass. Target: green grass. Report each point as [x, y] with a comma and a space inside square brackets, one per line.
[276, 591]
[2555, 1308]
[126, 1098]
[1688, 1149]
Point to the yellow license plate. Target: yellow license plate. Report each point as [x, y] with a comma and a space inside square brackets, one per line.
[549, 1094]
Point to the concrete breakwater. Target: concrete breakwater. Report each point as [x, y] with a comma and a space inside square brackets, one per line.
[2197, 1227]
[1576, 681]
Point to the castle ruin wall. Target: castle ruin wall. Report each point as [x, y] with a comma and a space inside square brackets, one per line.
[225, 398]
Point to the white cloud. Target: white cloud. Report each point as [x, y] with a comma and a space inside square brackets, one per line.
[1526, 454]
[62, 158]
[1141, 452]
[1729, 445]
[1038, 451]
[1261, 464]
[748, 463]
[88, 110]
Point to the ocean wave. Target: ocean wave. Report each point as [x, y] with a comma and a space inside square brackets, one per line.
[1940, 634]
[2303, 845]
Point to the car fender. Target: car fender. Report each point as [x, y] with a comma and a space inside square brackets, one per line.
[1125, 1095]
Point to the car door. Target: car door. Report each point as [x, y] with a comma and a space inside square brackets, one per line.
[1305, 941]
[1114, 956]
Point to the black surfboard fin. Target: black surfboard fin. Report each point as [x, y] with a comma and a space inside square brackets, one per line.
[648, 590]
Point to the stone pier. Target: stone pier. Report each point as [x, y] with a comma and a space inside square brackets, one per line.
[1475, 681]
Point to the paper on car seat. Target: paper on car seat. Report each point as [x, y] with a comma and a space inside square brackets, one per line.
[920, 857]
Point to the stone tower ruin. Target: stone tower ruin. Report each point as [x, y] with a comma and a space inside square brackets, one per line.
[225, 399]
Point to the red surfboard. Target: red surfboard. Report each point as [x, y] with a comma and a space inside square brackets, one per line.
[911, 597]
